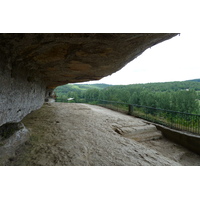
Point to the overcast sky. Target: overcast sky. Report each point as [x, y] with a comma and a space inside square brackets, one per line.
[176, 59]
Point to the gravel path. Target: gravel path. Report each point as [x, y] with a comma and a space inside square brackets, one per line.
[79, 134]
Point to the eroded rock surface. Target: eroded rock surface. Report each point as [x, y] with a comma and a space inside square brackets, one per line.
[69, 58]
[80, 134]
[12, 136]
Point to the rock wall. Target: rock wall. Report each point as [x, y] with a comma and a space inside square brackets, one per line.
[19, 93]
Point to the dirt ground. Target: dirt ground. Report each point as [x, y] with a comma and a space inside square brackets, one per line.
[65, 134]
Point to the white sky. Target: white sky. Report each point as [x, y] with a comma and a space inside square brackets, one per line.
[176, 59]
[172, 60]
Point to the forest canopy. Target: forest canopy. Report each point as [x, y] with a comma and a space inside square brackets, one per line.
[183, 96]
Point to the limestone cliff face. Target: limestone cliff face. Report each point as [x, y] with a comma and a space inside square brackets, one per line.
[31, 65]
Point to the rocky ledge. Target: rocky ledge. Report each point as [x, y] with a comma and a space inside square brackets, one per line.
[67, 134]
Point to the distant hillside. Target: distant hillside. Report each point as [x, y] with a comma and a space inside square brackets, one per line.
[195, 80]
[79, 87]
[161, 87]
[92, 86]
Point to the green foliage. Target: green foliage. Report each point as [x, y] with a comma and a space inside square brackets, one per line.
[80, 92]
[178, 96]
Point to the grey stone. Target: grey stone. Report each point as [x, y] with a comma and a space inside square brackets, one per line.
[83, 136]
[18, 95]
[17, 135]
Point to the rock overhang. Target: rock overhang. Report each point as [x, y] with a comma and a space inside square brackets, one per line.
[32, 65]
[59, 59]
